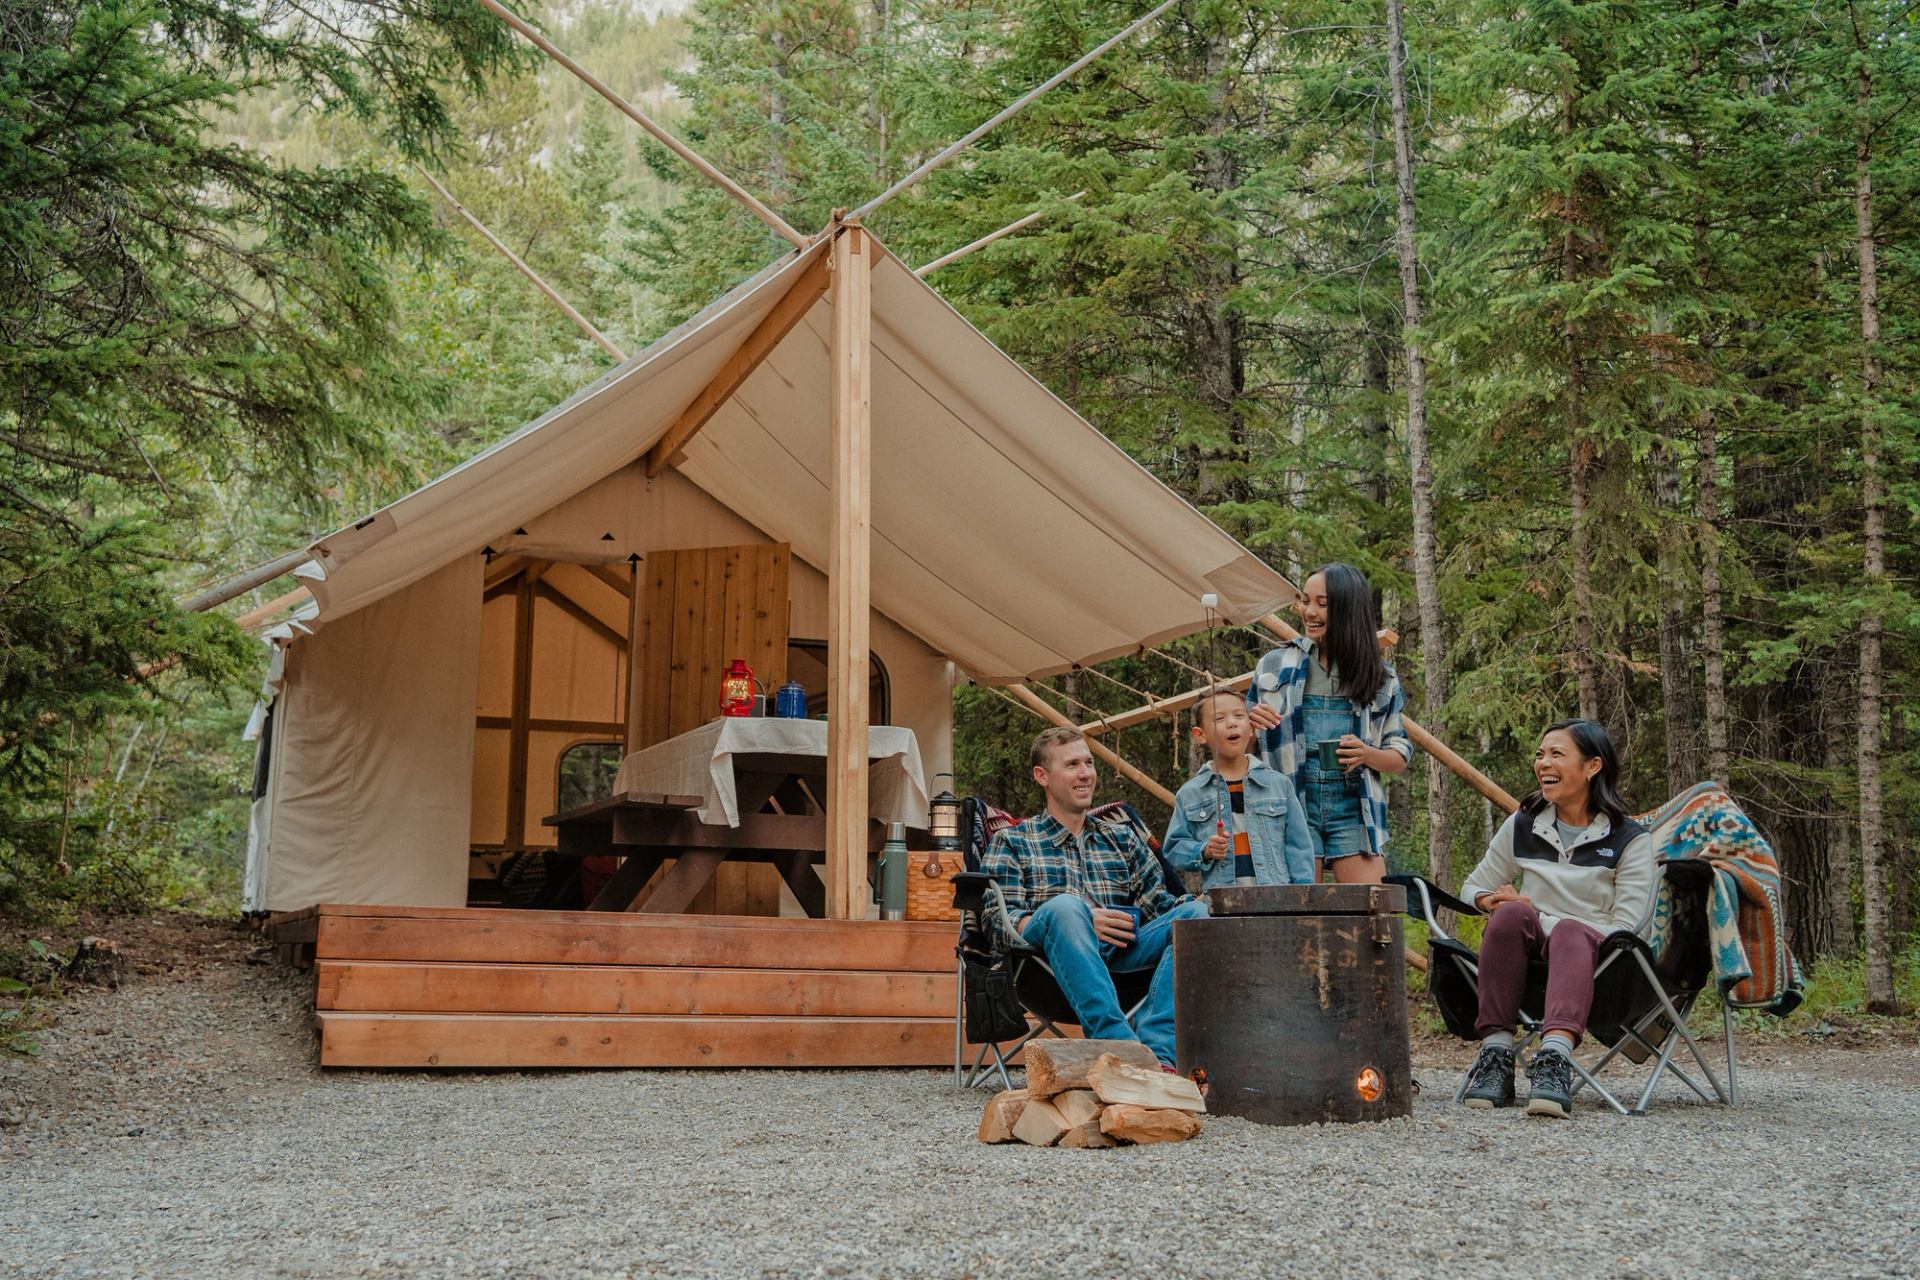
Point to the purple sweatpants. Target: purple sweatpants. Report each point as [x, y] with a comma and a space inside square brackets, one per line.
[1515, 936]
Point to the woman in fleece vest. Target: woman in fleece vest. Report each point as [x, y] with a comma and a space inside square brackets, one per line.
[1585, 869]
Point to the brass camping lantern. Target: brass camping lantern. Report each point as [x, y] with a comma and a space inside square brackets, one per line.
[944, 817]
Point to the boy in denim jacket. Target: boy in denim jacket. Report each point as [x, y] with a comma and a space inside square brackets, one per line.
[1237, 821]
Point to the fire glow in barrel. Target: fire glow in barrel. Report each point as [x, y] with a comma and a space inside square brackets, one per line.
[1293, 1000]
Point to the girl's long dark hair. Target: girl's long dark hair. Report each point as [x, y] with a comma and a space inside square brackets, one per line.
[1352, 643]
[1603, 789]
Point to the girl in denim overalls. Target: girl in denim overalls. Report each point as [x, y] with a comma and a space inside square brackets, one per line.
[1331, 685]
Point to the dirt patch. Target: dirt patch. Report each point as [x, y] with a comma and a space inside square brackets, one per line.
[191, 1018]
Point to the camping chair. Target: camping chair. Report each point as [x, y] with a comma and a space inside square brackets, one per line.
[1006, 992]
[1642, 991]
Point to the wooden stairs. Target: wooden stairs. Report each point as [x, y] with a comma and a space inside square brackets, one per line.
[433, 987]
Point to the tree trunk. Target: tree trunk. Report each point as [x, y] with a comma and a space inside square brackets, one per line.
[1676, 678]
[1713, 644]
[1585, 657]
[1839, 843]
[1426, 572]
[1873, 880]
[1297, 485]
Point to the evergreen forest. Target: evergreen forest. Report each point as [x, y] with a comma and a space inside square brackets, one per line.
[1585, 328]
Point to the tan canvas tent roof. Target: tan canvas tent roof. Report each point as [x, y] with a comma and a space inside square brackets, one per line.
[1008, 533]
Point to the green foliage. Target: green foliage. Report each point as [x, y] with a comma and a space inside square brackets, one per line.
[185, 317]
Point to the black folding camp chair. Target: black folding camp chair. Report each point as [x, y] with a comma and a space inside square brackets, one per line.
[1006, 993]
[1642, 992]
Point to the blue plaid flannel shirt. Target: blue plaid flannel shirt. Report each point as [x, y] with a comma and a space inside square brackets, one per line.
[1111, 866]
[1280, 681]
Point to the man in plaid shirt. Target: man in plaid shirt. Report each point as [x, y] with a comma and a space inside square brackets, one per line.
[1091, 897]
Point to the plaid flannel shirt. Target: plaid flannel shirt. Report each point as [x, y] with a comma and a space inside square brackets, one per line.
[1280, 681]
[1037, 859]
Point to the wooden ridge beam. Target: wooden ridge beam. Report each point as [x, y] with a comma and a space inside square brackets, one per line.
[740, 365]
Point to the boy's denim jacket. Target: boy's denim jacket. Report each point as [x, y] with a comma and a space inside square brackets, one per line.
[1276, 827]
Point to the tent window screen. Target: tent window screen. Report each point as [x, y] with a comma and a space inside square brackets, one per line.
[586, 773]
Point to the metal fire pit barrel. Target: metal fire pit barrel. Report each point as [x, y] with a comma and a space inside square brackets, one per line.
[1293, 1000]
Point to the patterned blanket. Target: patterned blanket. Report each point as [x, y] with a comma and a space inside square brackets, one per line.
[1745, 919]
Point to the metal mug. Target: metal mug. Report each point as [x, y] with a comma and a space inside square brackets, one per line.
[1328, 754]
[790, 701]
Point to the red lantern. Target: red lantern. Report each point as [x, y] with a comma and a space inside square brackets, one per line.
[736, 689]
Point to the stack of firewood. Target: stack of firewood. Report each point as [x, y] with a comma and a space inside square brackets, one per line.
[1093, 1093]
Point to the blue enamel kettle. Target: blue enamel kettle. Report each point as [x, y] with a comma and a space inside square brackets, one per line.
[790, 701]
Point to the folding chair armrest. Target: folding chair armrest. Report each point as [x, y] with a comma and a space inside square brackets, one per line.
[1425, 898]
[970, 890]
[1622, 940]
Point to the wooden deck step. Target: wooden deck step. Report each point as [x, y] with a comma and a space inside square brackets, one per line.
[610, 938]
[423, 1040]
[409, 987]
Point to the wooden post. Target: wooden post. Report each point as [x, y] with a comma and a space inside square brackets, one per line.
[1047, 711]
[850, 466]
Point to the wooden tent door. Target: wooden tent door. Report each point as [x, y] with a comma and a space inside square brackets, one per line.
[699, 608]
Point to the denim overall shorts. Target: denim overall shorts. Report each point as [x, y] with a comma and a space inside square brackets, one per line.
[1331, 797]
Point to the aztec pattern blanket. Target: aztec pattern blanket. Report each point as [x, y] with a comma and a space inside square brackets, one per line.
[1746, 919]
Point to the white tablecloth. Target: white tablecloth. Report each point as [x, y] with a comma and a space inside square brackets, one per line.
[700, 763]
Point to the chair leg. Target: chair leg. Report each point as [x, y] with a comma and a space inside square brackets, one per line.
[1680, 1028]
[959, 1023]
[1733, 1080]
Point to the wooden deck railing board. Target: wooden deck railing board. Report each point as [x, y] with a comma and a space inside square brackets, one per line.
[440, 987]
[701, 941]
[416, 1040]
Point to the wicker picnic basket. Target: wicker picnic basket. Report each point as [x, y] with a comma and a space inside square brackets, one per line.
[930, 875]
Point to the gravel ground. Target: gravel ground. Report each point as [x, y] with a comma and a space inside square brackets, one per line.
[177, 1127]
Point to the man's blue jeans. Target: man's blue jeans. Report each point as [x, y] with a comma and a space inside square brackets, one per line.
[1084, 966]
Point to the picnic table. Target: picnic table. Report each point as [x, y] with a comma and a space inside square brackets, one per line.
[741, 788]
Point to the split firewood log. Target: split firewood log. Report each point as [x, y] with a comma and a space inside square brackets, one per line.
[1116, 1081]
[1055, 1066]
[1003, 1110]
[1131, 1123]
[1040, 1123]
[1078, 1105]
[1089, 1134]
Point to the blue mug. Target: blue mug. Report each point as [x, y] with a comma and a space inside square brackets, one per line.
[790, 701]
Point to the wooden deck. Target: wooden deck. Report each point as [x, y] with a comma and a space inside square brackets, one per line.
[424, 987]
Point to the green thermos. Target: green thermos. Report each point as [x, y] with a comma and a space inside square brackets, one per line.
[890, 877]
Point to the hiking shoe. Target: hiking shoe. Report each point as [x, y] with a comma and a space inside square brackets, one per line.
[1550, 1085]
[1490, 1082]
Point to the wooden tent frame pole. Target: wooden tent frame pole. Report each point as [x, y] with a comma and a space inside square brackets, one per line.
[244, 581]
[1018, 105]
[639, 117]
[984, 241]
[581, 322]
[1171, 705]
[1424, 740]
[849, 568]
[1047, 711]
[740, 365]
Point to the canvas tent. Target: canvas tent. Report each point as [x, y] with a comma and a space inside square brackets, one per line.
[1010, 540]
